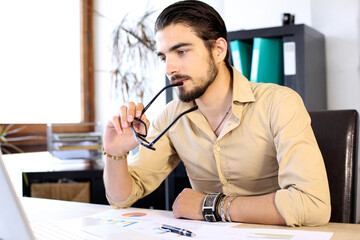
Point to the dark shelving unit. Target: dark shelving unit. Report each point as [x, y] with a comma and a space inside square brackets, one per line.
[310, 78]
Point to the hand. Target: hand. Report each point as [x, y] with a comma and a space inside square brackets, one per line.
[188, 204]
[118, 136]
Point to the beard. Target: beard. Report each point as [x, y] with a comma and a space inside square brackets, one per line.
[204, 83]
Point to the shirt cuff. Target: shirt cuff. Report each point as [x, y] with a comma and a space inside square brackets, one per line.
[128, 202]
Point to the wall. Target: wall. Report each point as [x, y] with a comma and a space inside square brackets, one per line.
[337, 20]
[249, 15]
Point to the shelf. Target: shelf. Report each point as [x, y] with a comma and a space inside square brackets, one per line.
[86, 145]
[309, 79]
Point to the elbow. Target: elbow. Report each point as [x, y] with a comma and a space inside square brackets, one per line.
[319, 215]
[300, 209]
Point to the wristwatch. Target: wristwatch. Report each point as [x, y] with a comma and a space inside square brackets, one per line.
[210, 207]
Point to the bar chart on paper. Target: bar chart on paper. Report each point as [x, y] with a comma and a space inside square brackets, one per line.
[120, 223]
[136, 221]
[123, 222]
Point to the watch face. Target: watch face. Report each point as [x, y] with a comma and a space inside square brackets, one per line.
[209, 201]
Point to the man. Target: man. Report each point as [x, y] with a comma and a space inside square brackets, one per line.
[251, 142]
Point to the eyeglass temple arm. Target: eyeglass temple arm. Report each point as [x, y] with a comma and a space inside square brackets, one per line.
[168, 86]
[172, 123]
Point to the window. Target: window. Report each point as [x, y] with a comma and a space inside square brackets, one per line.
[46, 64]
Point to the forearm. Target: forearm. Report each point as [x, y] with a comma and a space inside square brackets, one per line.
[256, 209]
[117, 179]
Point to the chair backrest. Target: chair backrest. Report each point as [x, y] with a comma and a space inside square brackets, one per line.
[336, 134]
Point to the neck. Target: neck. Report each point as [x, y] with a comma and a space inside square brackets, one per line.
[218, 97]
[217, 100]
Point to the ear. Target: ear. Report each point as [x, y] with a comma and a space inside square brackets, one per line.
[220, 49]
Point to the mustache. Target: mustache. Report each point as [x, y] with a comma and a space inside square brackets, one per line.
[179, 76]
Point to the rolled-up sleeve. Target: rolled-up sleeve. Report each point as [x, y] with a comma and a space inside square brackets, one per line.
[134, 196]
[148, 168]
[304, 197]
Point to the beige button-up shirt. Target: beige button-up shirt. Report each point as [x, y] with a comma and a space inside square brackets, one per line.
[266, 145]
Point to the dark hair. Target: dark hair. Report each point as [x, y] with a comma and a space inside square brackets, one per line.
[204, 19]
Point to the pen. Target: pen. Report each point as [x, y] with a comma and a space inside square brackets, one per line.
[177, 230]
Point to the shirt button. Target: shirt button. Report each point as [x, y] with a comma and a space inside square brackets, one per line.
[218, 149]
[225, 181]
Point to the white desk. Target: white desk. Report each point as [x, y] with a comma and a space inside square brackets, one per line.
[47, 210]
[44, 210]
[39, 210]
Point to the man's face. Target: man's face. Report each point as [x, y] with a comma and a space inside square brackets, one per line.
[186, 60]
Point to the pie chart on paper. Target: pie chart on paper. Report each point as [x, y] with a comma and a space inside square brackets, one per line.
[134, 214]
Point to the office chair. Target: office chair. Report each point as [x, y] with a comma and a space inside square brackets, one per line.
[336, 134]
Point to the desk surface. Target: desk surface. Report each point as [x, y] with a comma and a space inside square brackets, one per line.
[44, 210]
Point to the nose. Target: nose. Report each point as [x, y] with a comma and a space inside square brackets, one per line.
[172, 67]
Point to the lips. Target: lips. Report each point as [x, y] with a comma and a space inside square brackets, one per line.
[176, 79]
[179, 80]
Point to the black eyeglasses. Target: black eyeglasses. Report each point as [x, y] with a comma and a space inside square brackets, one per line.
[139, 137]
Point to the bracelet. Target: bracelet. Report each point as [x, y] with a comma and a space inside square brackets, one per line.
[223, 219]
[216, 213]
[228, 208]
[116, 157]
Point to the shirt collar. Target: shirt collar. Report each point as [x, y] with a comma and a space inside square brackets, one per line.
[242, 92]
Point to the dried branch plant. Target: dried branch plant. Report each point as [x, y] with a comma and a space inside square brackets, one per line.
[133, 56]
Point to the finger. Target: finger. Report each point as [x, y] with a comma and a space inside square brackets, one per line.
[145, 120]
[176, 202]
[139, 109]
[116, 124]
[175, 208]
[110, 124]
[123, 116]
[176, 213]
[140, 127]
[131, 111]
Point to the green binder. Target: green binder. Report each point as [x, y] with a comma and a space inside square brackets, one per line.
[267, 61]
[241, 53]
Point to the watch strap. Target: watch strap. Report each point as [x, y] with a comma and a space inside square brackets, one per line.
[210, 207]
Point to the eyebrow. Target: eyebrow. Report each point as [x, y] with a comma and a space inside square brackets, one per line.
[173, 48]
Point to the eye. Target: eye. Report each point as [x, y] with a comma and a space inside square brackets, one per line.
[162, 59]
[182, 52]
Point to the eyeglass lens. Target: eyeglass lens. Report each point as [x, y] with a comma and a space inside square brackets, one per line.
[140, 137]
